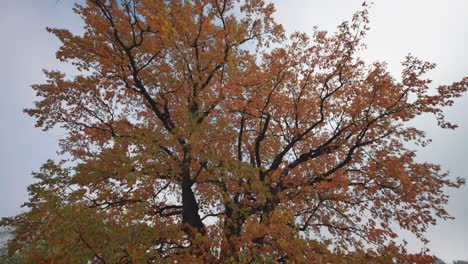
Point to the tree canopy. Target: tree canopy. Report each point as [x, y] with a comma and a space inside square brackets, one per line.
[198, 132]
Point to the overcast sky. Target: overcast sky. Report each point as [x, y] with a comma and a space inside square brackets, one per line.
[432, 30]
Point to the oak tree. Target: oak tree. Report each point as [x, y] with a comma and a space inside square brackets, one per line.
[198, 132]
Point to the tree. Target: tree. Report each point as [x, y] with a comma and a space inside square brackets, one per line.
[199, 133]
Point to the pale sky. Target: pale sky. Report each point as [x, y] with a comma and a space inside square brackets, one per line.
[435, 31]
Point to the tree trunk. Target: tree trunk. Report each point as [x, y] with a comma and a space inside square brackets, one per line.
[190, 214]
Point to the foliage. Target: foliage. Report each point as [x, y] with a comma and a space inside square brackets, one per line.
[200, 133]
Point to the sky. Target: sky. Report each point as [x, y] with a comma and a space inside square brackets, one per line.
[436, 31]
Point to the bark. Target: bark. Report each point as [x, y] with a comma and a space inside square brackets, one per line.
[190, 215]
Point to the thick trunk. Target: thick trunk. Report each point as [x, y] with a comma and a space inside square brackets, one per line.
[190, 214]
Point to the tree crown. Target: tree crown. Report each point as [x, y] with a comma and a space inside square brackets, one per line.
[199, 132]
